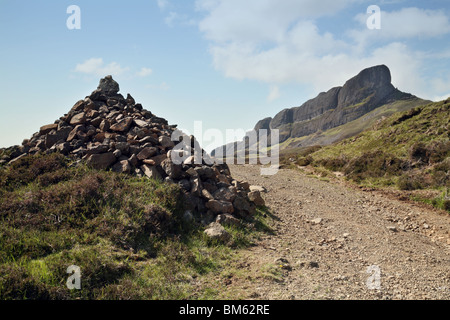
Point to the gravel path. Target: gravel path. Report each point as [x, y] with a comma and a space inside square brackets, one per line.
[336, 242]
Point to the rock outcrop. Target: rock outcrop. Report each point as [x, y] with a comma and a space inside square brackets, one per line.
[370, 89]
[109, 131]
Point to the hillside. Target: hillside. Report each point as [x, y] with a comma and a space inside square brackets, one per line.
[409, 151]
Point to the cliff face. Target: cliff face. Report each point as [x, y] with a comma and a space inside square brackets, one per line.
[358, 97]
[368, 90]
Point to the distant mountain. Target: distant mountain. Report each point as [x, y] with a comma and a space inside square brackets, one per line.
[340, 112]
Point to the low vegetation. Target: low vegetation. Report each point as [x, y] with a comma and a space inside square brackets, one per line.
[408, 151]
[126, 234]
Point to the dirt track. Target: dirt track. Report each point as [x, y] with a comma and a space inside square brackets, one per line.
[327, 235]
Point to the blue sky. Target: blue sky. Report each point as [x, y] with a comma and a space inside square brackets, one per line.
[228, 63]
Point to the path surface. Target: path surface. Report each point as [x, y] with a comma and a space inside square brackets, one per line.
[329, 234]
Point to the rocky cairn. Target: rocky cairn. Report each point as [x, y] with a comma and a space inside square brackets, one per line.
[108, 131]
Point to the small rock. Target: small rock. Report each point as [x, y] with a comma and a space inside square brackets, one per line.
[159, 159]
[174, 171]
[149, 162]
[78, 119]
[104, 125]
[147, 153]
[117, 153]
[123, 147]
[140, 123]
[78, 106]
[255, 197]
[244, 185]
[224, 194]
[133, 160]
[123, 125]
[151, 172]
[392, 228]
[317, 221]
[220, 206]
[207, 195]
[216, 231]
[226, 219]
[46, 129]
[122, 167]
[101, 161]
[166, 142]
[258, 188]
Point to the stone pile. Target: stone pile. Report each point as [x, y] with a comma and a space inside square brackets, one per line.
[109, 131]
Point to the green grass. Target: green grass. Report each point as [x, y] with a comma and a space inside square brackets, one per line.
[125, 233]
[441, 202]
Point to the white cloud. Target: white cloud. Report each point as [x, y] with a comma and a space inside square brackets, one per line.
[163, 4]
[274, 93]
[180, 19]
[144, 72]
[96, 66]
[252, 21]
[282, 42]
[169, 20]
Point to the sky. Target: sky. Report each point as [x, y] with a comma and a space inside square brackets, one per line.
[224, 63]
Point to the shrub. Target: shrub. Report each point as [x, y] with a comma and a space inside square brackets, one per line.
[410, 182]
[28, 168]
[432, 153]
[304, 161]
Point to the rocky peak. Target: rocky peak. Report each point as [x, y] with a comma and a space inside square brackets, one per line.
[359, 95]
[368, 90]
[374, 82]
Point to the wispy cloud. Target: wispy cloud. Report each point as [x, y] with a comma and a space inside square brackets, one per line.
[181, 19]
[163, 4]
[274, 93]
[144, 72]
[96, 66]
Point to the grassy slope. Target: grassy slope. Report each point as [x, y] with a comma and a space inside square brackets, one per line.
[409, 150]
[126, 234]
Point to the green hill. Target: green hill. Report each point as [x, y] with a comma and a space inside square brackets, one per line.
[409, 150]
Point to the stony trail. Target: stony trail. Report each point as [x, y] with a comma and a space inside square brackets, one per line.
[332, 241]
